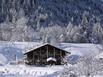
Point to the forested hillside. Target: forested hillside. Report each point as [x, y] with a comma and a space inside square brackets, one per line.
[78, 21]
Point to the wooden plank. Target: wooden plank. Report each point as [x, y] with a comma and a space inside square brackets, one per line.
[47, 51]
[40, 58]
[54, 52]
[33, 57]
[60, 53]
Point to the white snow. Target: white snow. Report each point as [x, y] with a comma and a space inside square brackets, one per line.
[82, 49]
[3, 59]
[22, 70]
[100, 56]
[8, 50]
[51, 59]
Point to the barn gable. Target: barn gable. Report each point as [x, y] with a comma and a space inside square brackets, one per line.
[40, 54]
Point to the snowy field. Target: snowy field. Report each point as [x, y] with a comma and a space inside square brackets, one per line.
[8, 50]
[28, 71]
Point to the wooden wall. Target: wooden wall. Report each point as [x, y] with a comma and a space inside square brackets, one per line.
[39, 56]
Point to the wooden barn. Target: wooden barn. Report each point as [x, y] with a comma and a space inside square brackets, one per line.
[45, 54]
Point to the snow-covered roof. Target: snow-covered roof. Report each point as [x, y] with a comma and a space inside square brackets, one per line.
[51, 59]
[41, 45]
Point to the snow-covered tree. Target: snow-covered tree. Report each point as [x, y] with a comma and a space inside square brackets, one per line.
[71, 33]
[68, 72]
[5, 31]
[97, 33]
[87, 66]
[51, 34]
[84, 31]
[17, 29]
[19, 26]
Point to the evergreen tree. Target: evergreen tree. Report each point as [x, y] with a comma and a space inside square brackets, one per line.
[84, 31]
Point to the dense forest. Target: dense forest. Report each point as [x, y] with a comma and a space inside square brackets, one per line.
[75, 21]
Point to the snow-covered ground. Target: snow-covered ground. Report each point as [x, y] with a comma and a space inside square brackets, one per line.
[31, 71]
[28, 71]
[8, 51]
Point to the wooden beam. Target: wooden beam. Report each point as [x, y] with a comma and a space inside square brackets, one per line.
[47, 51]
[60, 53]
[40, 55]
[54, 52]
[33, 57]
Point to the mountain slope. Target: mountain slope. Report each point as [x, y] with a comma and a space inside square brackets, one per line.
[56, 11]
